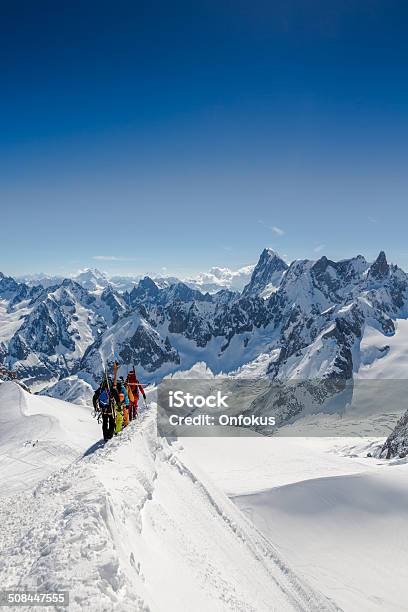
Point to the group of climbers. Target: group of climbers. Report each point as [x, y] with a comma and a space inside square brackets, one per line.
[116, 402]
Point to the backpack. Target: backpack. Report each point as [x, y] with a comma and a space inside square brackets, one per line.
[133, 384]
[104, 400]
[130, 394]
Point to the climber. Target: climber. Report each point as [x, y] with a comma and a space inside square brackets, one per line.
[104, 401]
[119, 419]
[124, 400]
[119, 405]
[134, 387]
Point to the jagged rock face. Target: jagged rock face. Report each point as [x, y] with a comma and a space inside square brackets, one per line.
[115, 303]
[9, 288]
[43, 331]
[314, 296]
[343, 333]
[50, 322]
[146, 291]
[133, 342]
[70, 288]
[223, 314]
[197, 329]
[182, 293]
[267, 273]
[57, 326]
[241, 316]
[47, 326]
[5, 374]
[380, 268]
[178, 318]
[312, 321]
[18, 348]
[335, 279]
[8, 375]
[189, 322]
[20, 295]
[316, 286]
[144, 348]
[396, 444]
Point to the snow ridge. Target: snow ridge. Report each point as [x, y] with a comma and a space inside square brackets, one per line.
[132, 527]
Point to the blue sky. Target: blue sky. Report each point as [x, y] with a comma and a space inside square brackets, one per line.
[185, 135]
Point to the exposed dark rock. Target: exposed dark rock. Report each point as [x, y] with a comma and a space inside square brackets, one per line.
[380, 268]
[396, 445]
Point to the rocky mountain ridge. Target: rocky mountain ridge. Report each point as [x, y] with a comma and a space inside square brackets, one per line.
[303, 320]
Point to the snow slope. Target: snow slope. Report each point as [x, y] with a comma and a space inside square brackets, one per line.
[338, 516]
[132, 525]
[346, 532]
[384, 356]
[38, 435]
[244, 466]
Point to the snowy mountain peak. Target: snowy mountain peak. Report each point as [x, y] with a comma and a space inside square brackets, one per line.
[271, 258]
[145, 290]
[267, 274]
[303, 320]
[322, 264]
[69, 287]
[91, 279]
[380, 268]
[148, 283]
[70, 283]
[182, 292]
[8, 285]
[335, 274]
[269, 252]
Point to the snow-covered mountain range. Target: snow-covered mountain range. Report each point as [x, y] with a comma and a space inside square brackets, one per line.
[93, 279]
[310, 319]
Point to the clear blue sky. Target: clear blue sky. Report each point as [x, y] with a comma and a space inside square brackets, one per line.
[190, 134]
